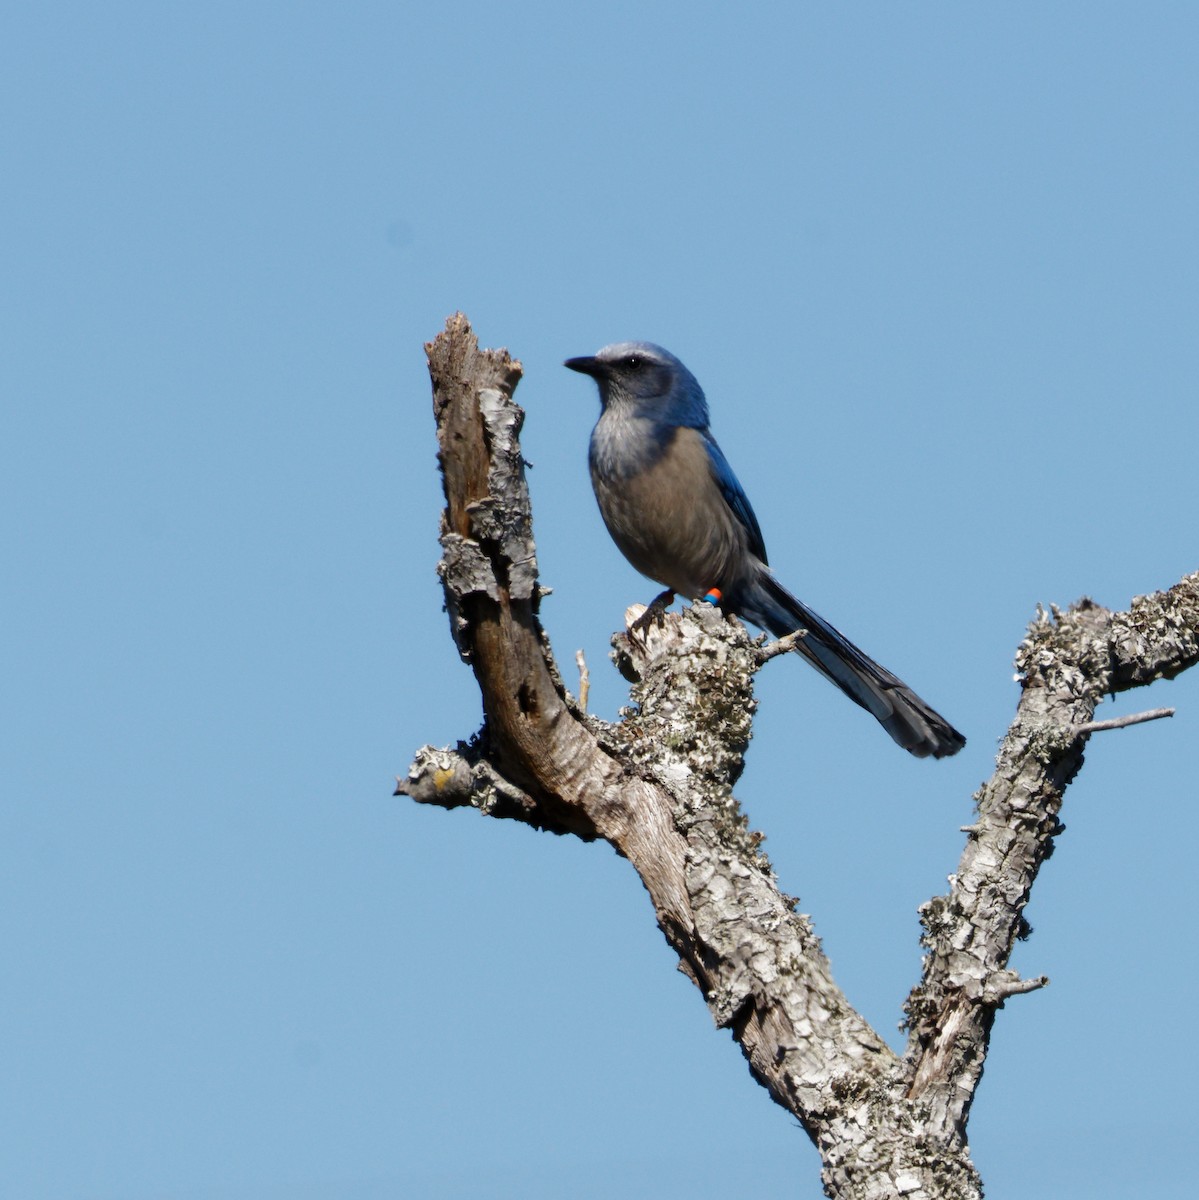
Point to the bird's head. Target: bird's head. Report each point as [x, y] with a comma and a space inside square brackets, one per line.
[645, 380]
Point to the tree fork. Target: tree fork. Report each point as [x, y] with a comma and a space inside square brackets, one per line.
[657, 786]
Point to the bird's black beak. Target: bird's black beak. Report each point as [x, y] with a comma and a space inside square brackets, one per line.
[588, 365]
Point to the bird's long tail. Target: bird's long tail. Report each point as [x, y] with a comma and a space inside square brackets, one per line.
[908, 719]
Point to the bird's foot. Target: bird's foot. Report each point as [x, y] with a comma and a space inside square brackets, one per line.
[652, 615]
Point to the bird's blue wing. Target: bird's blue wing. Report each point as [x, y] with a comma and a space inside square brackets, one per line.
[734, 495]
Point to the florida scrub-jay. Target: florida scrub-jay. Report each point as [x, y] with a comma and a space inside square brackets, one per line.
[674, 507]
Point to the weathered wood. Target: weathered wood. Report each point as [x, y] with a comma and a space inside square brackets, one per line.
[658, 787]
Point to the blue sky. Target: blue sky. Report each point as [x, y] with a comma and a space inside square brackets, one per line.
[935, 266]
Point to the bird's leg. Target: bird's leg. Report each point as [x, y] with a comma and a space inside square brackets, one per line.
[654, 614]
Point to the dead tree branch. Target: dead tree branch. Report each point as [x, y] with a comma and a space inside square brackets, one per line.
[658, 787]
[1067, 663]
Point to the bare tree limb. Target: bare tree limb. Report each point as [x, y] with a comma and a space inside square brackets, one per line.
[658, 787]
[1067, 663]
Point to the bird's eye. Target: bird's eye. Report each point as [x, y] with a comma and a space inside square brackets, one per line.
[633, 363]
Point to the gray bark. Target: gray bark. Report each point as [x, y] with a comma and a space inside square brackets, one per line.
[658, 786]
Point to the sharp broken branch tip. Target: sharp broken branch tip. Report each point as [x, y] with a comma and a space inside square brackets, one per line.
[584, 679]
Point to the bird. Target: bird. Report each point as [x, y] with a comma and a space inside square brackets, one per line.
[680, 516]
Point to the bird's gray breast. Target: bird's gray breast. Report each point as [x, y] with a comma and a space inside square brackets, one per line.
[623, 446]
[663, 507]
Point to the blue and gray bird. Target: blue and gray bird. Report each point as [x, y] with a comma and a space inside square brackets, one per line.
[672, 504]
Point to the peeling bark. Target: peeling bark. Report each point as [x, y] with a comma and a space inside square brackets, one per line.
[658, 786]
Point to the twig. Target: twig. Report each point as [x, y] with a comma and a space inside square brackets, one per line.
[1005, 984]
[1152, 714]
[784, 645]
[584, 679]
